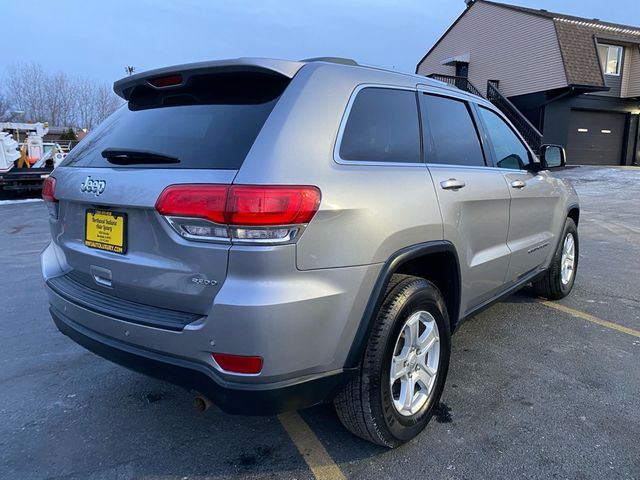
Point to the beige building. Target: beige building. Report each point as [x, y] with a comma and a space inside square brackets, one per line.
[576, 80]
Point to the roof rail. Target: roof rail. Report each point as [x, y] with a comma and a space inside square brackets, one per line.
[340, 60]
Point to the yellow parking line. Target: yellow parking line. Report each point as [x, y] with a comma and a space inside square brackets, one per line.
[591, 318]
[318, 459]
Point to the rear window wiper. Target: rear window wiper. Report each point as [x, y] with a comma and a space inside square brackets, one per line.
[121, 156]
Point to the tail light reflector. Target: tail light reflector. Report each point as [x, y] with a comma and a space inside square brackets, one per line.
[238, 363]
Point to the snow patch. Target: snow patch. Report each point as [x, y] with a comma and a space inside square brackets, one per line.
[24, 200]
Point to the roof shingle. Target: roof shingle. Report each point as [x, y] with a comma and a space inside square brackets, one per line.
[595, 22]
[577, 39]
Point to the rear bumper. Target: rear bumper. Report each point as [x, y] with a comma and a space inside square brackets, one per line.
[236, 398]
[302, 323]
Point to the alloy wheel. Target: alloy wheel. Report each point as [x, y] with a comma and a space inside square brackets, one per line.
[567, 261]
[414, 364]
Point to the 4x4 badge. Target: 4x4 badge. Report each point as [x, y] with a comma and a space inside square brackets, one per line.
[93, 186]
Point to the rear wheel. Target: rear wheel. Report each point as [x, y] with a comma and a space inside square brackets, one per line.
[404, 366]
[558, 280]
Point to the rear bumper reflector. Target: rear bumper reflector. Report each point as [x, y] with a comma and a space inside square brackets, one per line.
[238, 363]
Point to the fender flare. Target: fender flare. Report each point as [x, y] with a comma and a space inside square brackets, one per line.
[391, 266]
[572, 206]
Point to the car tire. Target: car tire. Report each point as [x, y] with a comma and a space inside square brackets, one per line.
[555, 283]
[372, 405]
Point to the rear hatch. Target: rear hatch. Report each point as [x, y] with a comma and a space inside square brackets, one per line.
[180, 127]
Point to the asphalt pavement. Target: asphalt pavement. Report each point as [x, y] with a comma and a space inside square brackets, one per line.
[533, 392]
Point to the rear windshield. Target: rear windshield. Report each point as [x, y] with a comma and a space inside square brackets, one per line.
[217, 134]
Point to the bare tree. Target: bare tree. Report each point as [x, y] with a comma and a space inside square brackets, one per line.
[94, 103]
[85, 103]
[6, 109]
[27, 89]
[58, 98]
[105, 102]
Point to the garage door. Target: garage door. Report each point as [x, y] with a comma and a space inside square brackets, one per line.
[595, 138]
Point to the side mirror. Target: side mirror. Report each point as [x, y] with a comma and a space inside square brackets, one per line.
[552, 156]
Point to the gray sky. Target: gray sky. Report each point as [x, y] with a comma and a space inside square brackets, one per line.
[98, 38]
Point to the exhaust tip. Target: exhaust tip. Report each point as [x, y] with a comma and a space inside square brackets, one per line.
[201, 404]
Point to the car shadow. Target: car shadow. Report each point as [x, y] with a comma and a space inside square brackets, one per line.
[525, 295]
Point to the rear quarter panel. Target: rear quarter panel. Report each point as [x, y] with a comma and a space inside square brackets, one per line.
[367, 212]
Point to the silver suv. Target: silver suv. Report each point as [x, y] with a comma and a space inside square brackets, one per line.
[276, 234]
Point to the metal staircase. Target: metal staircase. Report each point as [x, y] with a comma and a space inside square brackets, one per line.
[530, 133]
[462, 83]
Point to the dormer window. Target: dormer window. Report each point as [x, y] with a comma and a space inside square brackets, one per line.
[610, 58]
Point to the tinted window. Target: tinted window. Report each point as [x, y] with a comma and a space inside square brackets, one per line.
[382, 127]
[450, 134]
[509, 150]
[212, 122]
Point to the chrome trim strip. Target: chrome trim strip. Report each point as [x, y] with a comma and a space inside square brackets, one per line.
[294, 232]
[175, 223]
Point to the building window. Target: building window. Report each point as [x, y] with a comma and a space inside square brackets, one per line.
[610, 58]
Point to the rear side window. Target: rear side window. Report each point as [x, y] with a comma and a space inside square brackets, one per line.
[450, 135]
[382, 127]
[198, 129]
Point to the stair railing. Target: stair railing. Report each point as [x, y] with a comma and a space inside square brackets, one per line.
[462, 83]
[530, 133]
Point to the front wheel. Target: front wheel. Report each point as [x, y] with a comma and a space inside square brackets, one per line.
[404, 366]
[557, 282]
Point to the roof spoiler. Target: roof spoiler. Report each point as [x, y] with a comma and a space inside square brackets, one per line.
[179, 74]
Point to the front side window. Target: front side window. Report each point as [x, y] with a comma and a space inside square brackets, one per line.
[382, 126]
[450, 134]
[610, 58]
[509, 150]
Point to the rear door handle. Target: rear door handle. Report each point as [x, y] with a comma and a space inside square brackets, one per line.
[518, 184]
[452, 184]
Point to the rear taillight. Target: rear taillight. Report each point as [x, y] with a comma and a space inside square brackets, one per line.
[272, 205]
[201, 201]
[49, 190]
[245, 213]
[49, 196]
[238, 363]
